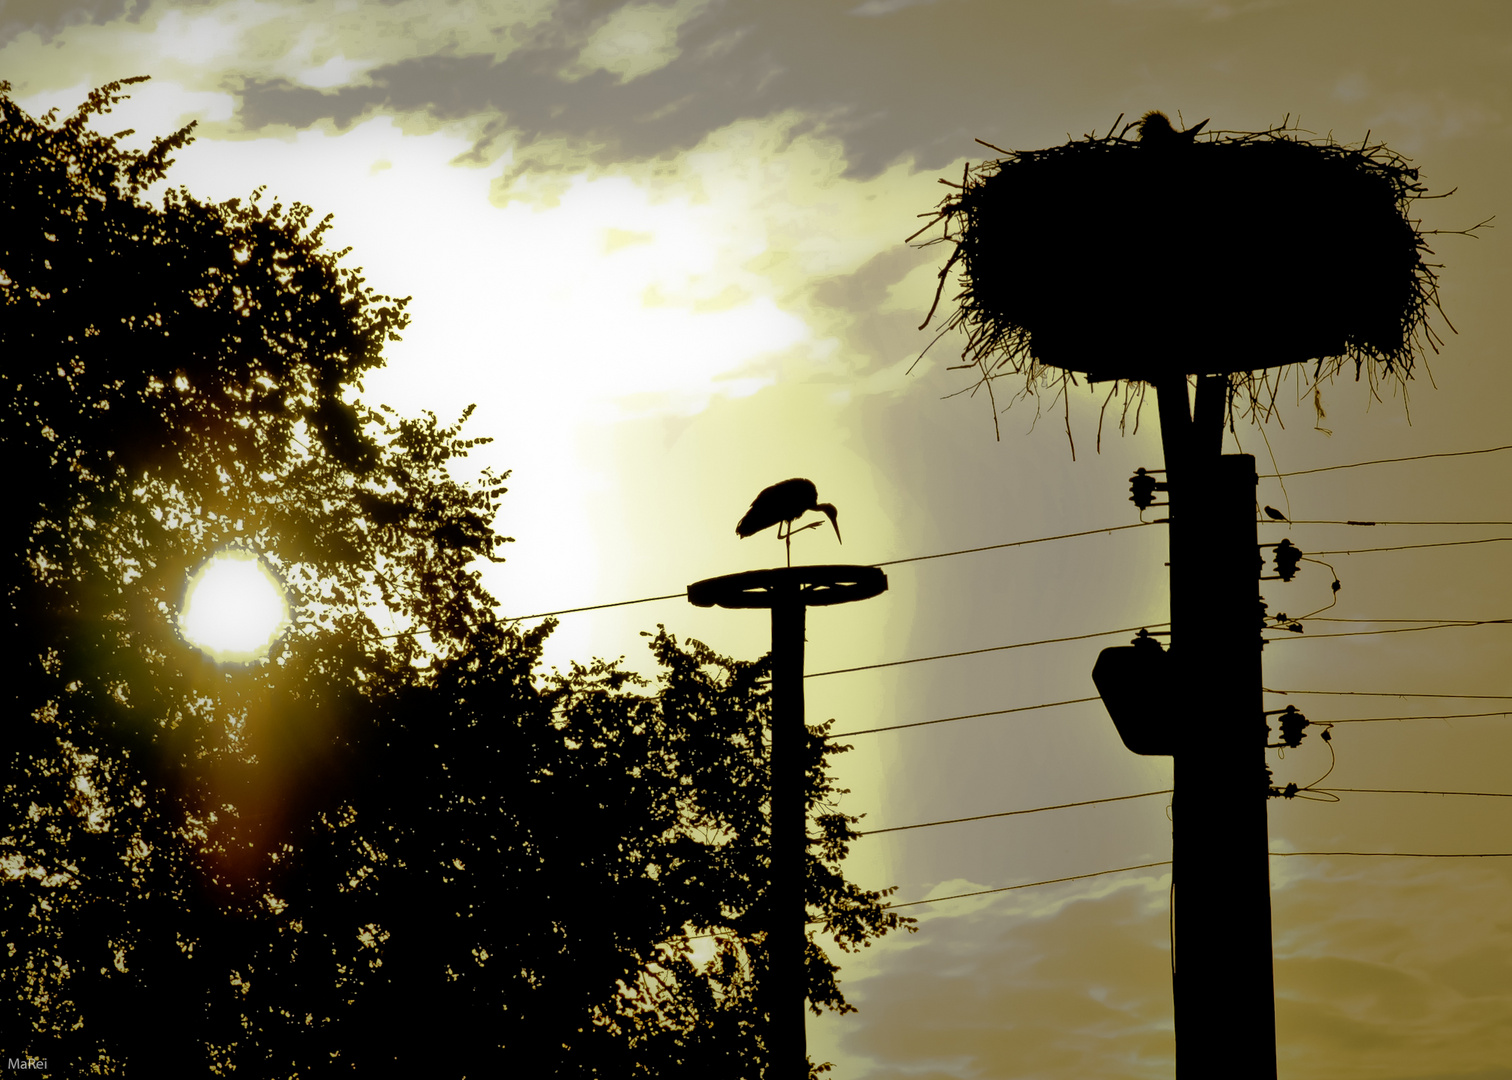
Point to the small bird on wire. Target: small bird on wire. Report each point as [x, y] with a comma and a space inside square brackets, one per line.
[781, 505]
[1274, 514]
[1155, 130]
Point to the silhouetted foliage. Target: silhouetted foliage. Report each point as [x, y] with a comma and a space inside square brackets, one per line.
[395, 842]
[178, 379]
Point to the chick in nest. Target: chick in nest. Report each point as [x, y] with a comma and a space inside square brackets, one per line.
[1155, 130]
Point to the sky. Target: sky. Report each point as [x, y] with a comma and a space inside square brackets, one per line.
[662, 247]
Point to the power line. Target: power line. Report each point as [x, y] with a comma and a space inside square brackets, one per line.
[1418, 791]
[965, 716]
[988, 649]
[1084, 700]
[1022, 543]
[1392, 693]
[1396, 630]
[1125, 870]
[960, 896]
[1167, 862]
[1442, 716]
[1029, 885]
[1338, 618]
[1315, 521]
[1013, 813]
[890, 562]
[1409, 547]
[599, 607]
[1410, 854]
[1385, 461]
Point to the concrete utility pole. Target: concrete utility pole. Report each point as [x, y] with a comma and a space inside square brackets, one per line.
[1222, 983]
[1229, 229]
[789, 592]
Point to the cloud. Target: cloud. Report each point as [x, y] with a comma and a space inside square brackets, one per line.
[47, 17]
[323, 44]
[1394, 969]
[886, 7]
[1384, 969]
[1065, 983]
[647, 81]
[635, 40]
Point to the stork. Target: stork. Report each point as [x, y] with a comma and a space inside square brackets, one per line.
[1155, 130]
[782, 504]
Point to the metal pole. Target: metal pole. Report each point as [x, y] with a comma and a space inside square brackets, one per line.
[1222, 970]
[786, 988]
[783, 987]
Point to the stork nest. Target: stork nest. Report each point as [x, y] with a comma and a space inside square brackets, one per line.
[1238, 253]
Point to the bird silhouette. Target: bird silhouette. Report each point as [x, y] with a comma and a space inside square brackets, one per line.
[1155, 130]
[1274, 514]
[782, 504]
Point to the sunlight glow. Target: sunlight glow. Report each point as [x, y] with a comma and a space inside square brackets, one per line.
[234, 609]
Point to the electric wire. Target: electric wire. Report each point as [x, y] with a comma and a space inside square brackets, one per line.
[1167, 862]
[1385, 461]
[1410, 854]
[1315, 521]
[988, 649]
[962, 896]
[889, 562]
[1139, 866]
[1042, 540]
[1094, 697]
[1395, 630]
[1391, 693]
[1027, 885]
[1340, 618]
[598, 607]
[1021, 543]
[1411, 547]
[1014, 813]
[1168, 791]
[1439, 716]
[1419, 791]
[964, 716]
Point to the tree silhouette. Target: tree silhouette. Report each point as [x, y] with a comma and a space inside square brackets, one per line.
[395, 842]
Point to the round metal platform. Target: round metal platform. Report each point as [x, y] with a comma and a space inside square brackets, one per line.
[811, 586]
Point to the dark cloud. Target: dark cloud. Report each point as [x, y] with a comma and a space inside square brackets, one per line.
[920, 80]
[47, 17]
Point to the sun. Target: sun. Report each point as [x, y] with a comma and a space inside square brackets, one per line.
[234, 608]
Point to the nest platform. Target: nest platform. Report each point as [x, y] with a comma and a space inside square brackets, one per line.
[1235, 252]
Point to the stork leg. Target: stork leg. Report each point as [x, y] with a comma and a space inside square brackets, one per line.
[786, 534]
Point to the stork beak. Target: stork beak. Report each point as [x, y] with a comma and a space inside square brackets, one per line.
[1192, 131]
[834, 515]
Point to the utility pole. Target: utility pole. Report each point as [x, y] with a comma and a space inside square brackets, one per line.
[1222, 979]
[784, 990]
[1227, 228]
[788, 592]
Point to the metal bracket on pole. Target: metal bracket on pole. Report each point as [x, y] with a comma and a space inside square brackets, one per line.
[788, 591]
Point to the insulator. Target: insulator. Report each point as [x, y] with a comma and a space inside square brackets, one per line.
[1293, 724]
[1288, 555]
